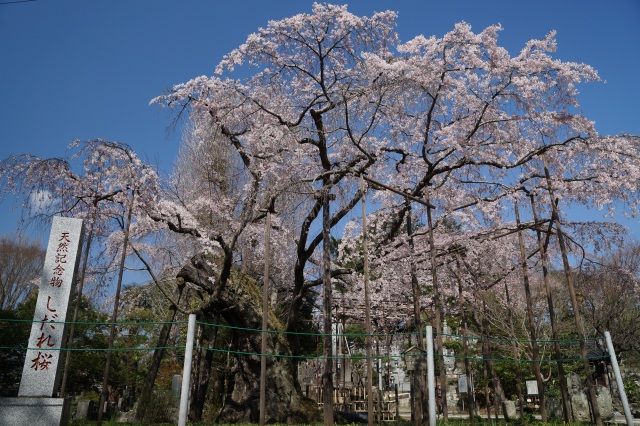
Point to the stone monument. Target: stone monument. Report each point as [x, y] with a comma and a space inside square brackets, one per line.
[36, 403]
[578, 399]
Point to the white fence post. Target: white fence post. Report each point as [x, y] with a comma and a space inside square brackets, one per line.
[431, 377]
[616, 371]
[186, 372]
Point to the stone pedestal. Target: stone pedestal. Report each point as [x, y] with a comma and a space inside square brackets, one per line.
[34, 411]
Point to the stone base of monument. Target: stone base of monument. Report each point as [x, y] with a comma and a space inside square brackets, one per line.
[35, 411]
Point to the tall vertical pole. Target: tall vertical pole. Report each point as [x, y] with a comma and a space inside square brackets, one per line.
[367, 312]
[431, 377]
[186, 372]
[327, 385]
[114, 318]
[574, 299]
[379, 387]
[265, 319]
[438, 308]
[616, 372]
[564, 391]
[535, 351]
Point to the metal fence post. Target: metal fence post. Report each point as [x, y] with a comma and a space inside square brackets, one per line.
[186, 372]
[616, 371]
[431, 377]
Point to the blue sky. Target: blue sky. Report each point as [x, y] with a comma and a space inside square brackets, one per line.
[84, 69]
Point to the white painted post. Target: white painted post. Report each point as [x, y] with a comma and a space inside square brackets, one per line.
[431, 377]
[265, 322]
[616, 371]
[186, 372]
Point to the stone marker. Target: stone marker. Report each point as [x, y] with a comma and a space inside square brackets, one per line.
[578, 399]
[553, 407]
[605, 403]
[41, 372]
[510, 411]
[87, 410]
[580, 408]
[176, 386]
[452, 398]
[35, 405]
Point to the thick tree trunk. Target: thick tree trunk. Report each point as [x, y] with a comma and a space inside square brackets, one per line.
[555, 217]
[498, 389]
[516, 355]
[239, 302]
[487, 395]
[564, 391]
[327, 329]
[419, 394]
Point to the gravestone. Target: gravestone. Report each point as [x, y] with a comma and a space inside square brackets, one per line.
[580, 407]
[87, 410]
[35, 404]
[578, 399]
[553, 407]
[452, 398]
[462, 384]
[605, 403]
[574, 384]
[446, 330]
[176, 386]
[509, 408]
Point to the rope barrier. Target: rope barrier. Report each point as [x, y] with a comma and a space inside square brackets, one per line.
[319, 357]
[455, 336]
[256, 330]
[459, 337]
[92, 322]
[389, 356]
[316, 357]
[123, 349]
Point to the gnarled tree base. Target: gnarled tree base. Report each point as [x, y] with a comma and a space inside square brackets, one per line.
[239, 301]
